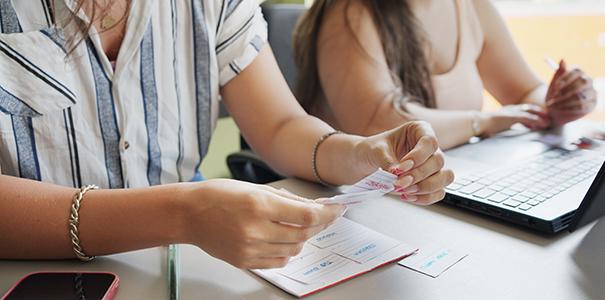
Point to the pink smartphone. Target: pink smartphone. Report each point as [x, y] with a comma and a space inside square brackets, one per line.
[65, 285]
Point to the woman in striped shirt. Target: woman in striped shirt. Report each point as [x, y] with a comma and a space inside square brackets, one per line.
[124, 94]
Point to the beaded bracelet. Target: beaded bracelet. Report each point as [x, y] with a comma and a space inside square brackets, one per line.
[314, 156]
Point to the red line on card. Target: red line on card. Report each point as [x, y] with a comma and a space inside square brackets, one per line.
[355, 275]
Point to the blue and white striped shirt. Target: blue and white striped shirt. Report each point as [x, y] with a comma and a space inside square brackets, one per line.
[72, 120]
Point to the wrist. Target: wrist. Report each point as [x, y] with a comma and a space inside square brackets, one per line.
[481, 123]
[177, 206]
[118, 220]
[361, 161]
[198, 201]
[187, 207]
[338, 159]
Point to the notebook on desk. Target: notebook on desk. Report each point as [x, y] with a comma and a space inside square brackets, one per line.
[343, 251]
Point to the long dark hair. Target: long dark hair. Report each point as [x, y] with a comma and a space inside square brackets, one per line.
[402, 40]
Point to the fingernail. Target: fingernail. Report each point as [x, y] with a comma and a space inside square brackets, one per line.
[407, 165]
[406, 181]
[411, 189]
[399, 190]
[412, 198]
[397, 172]
[403, 197]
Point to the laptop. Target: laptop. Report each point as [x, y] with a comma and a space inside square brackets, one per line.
[528, 179]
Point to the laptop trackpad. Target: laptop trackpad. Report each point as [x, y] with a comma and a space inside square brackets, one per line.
[500, 150]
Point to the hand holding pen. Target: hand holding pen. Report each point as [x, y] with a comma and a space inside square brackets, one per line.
[570, 95]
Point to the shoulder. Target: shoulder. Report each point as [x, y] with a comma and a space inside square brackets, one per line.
[482, 5]
[350, 36]
[347, 12]
[217, 13]
[348, 20]
[491, 22]
[486, 12]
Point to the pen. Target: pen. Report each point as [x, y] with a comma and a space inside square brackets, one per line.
[173, 273]
[551, 63]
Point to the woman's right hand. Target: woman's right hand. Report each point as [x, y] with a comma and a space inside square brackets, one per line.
[531, 116]
[252, 226]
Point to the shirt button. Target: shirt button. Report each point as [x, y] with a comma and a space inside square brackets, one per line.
[126, 145]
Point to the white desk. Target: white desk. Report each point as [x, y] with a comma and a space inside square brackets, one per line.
[143, 274]
[505, 262]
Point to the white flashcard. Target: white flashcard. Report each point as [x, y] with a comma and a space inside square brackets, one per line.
[307, 250]
[313, 272]
[341, 230]
[297, 263]
[365, 246]
[353, 198]
[353, 241]
[432, 261]
[379, 180]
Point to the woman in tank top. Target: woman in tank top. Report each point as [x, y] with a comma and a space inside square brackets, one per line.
[368, 66]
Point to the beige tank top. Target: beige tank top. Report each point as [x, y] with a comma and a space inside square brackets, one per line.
[461, 88]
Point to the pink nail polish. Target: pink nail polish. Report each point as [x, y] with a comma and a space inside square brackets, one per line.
[403, 197]
[397, 172]
[399, 190]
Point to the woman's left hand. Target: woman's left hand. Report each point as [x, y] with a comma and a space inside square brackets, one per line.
[412, 153]
[570, 96]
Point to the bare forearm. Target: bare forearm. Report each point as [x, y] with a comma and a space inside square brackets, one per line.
[279, 130]
[292, 147]
[452, 128]
[35, 219]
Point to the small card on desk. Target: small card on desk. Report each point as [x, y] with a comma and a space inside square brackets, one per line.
[340, 252]
[433, 261]
[359, 243]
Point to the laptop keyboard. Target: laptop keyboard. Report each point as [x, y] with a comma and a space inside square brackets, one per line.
[532, 183]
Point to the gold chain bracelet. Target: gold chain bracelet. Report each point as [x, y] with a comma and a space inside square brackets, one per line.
[74, 221]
